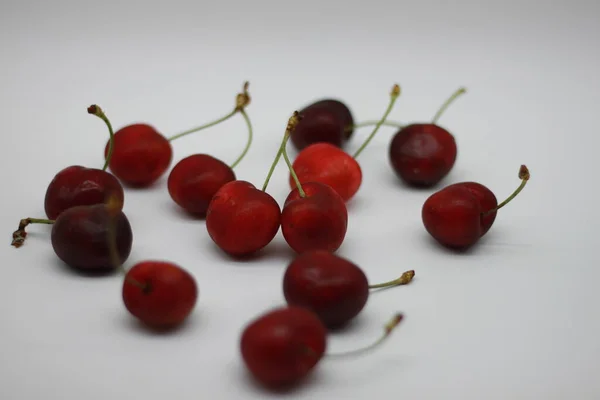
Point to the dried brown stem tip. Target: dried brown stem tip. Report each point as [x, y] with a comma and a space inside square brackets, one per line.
[390, 326]
[406, 277]
[396, 90]
[293, 121]
[524, 173]
[19, 235]
[95, 110]
[243, 99]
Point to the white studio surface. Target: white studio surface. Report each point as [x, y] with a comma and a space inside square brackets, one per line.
[515, 318]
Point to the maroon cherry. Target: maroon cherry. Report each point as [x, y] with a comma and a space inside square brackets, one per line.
[334, 288]
[422, 154]
[284, 345]
[458, 215]
[142, 155]
[79, 236]
[80, 186]
[324, 121]
[194, 180]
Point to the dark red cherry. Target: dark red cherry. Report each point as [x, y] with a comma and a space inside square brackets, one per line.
[194, 181]
[141, 155]
[325, 121]
[79, 186]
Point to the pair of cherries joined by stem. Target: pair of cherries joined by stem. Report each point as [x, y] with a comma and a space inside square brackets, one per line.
[242, 219]
[458, 215]
[421, 154]
[281, 347]
[159, 294]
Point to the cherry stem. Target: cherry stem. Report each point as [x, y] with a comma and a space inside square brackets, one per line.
[374, 122]
[404, 279]
[19, 235]
[389, 327]
[241, 101]
[449, 101]
[292, 122]
[248, 143]
[113, 209]
[524, 176]
[97, 111]
[393, 97]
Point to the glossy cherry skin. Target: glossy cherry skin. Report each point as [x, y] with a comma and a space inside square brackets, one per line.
[282, 347]
[80, 186]
[241, 219]
[325, 121]
[168, 297]
[422, 154]
[334, 288]
[194, 181]
[487, 201]
[453, 216]
[140, 156]
[80, 237]
[318, 221]
[332, 166]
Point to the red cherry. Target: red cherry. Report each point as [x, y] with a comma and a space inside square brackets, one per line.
[316, 221]
[423, 154]
[328, 164]
[196, 179]
[325, 121]
[79, 236]
[283, 346]
[159, 293]
[241, 219]
[141, 155]
[458, 215]
[334, 288]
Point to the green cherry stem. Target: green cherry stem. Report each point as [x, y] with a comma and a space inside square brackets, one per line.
[388, 329]
[375, 122]
[97, 111]
[113, 209]
[19, 235]
[292, 122]
[449, 101]
[248, 142]
[404, 279]
[242, 100]
[524, 177]
[393, 97]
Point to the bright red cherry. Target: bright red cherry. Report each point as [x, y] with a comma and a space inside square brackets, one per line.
[334, 288]
[79, 236]
[458, 215]
[196, 179]
[284, 345]
[160, 294]
[242, 219]
[325, 121]
[328, 164]
[422, 154]
[80, 186]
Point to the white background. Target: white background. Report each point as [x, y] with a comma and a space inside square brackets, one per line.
[516, 318]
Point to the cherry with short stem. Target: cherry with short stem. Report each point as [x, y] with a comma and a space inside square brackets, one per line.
[291, 126]
[404, 279]
[98, 112]
[524, 176]
[20, 234]
[242, 100]
[438, 114]
[395, 93]
[112, 205]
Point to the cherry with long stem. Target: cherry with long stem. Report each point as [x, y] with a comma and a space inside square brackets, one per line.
[98, 112]
[400, 125]
[20, 234]
[292, 123]
[404, 279]
[524, 175]
[242, 100]
[393, 97]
